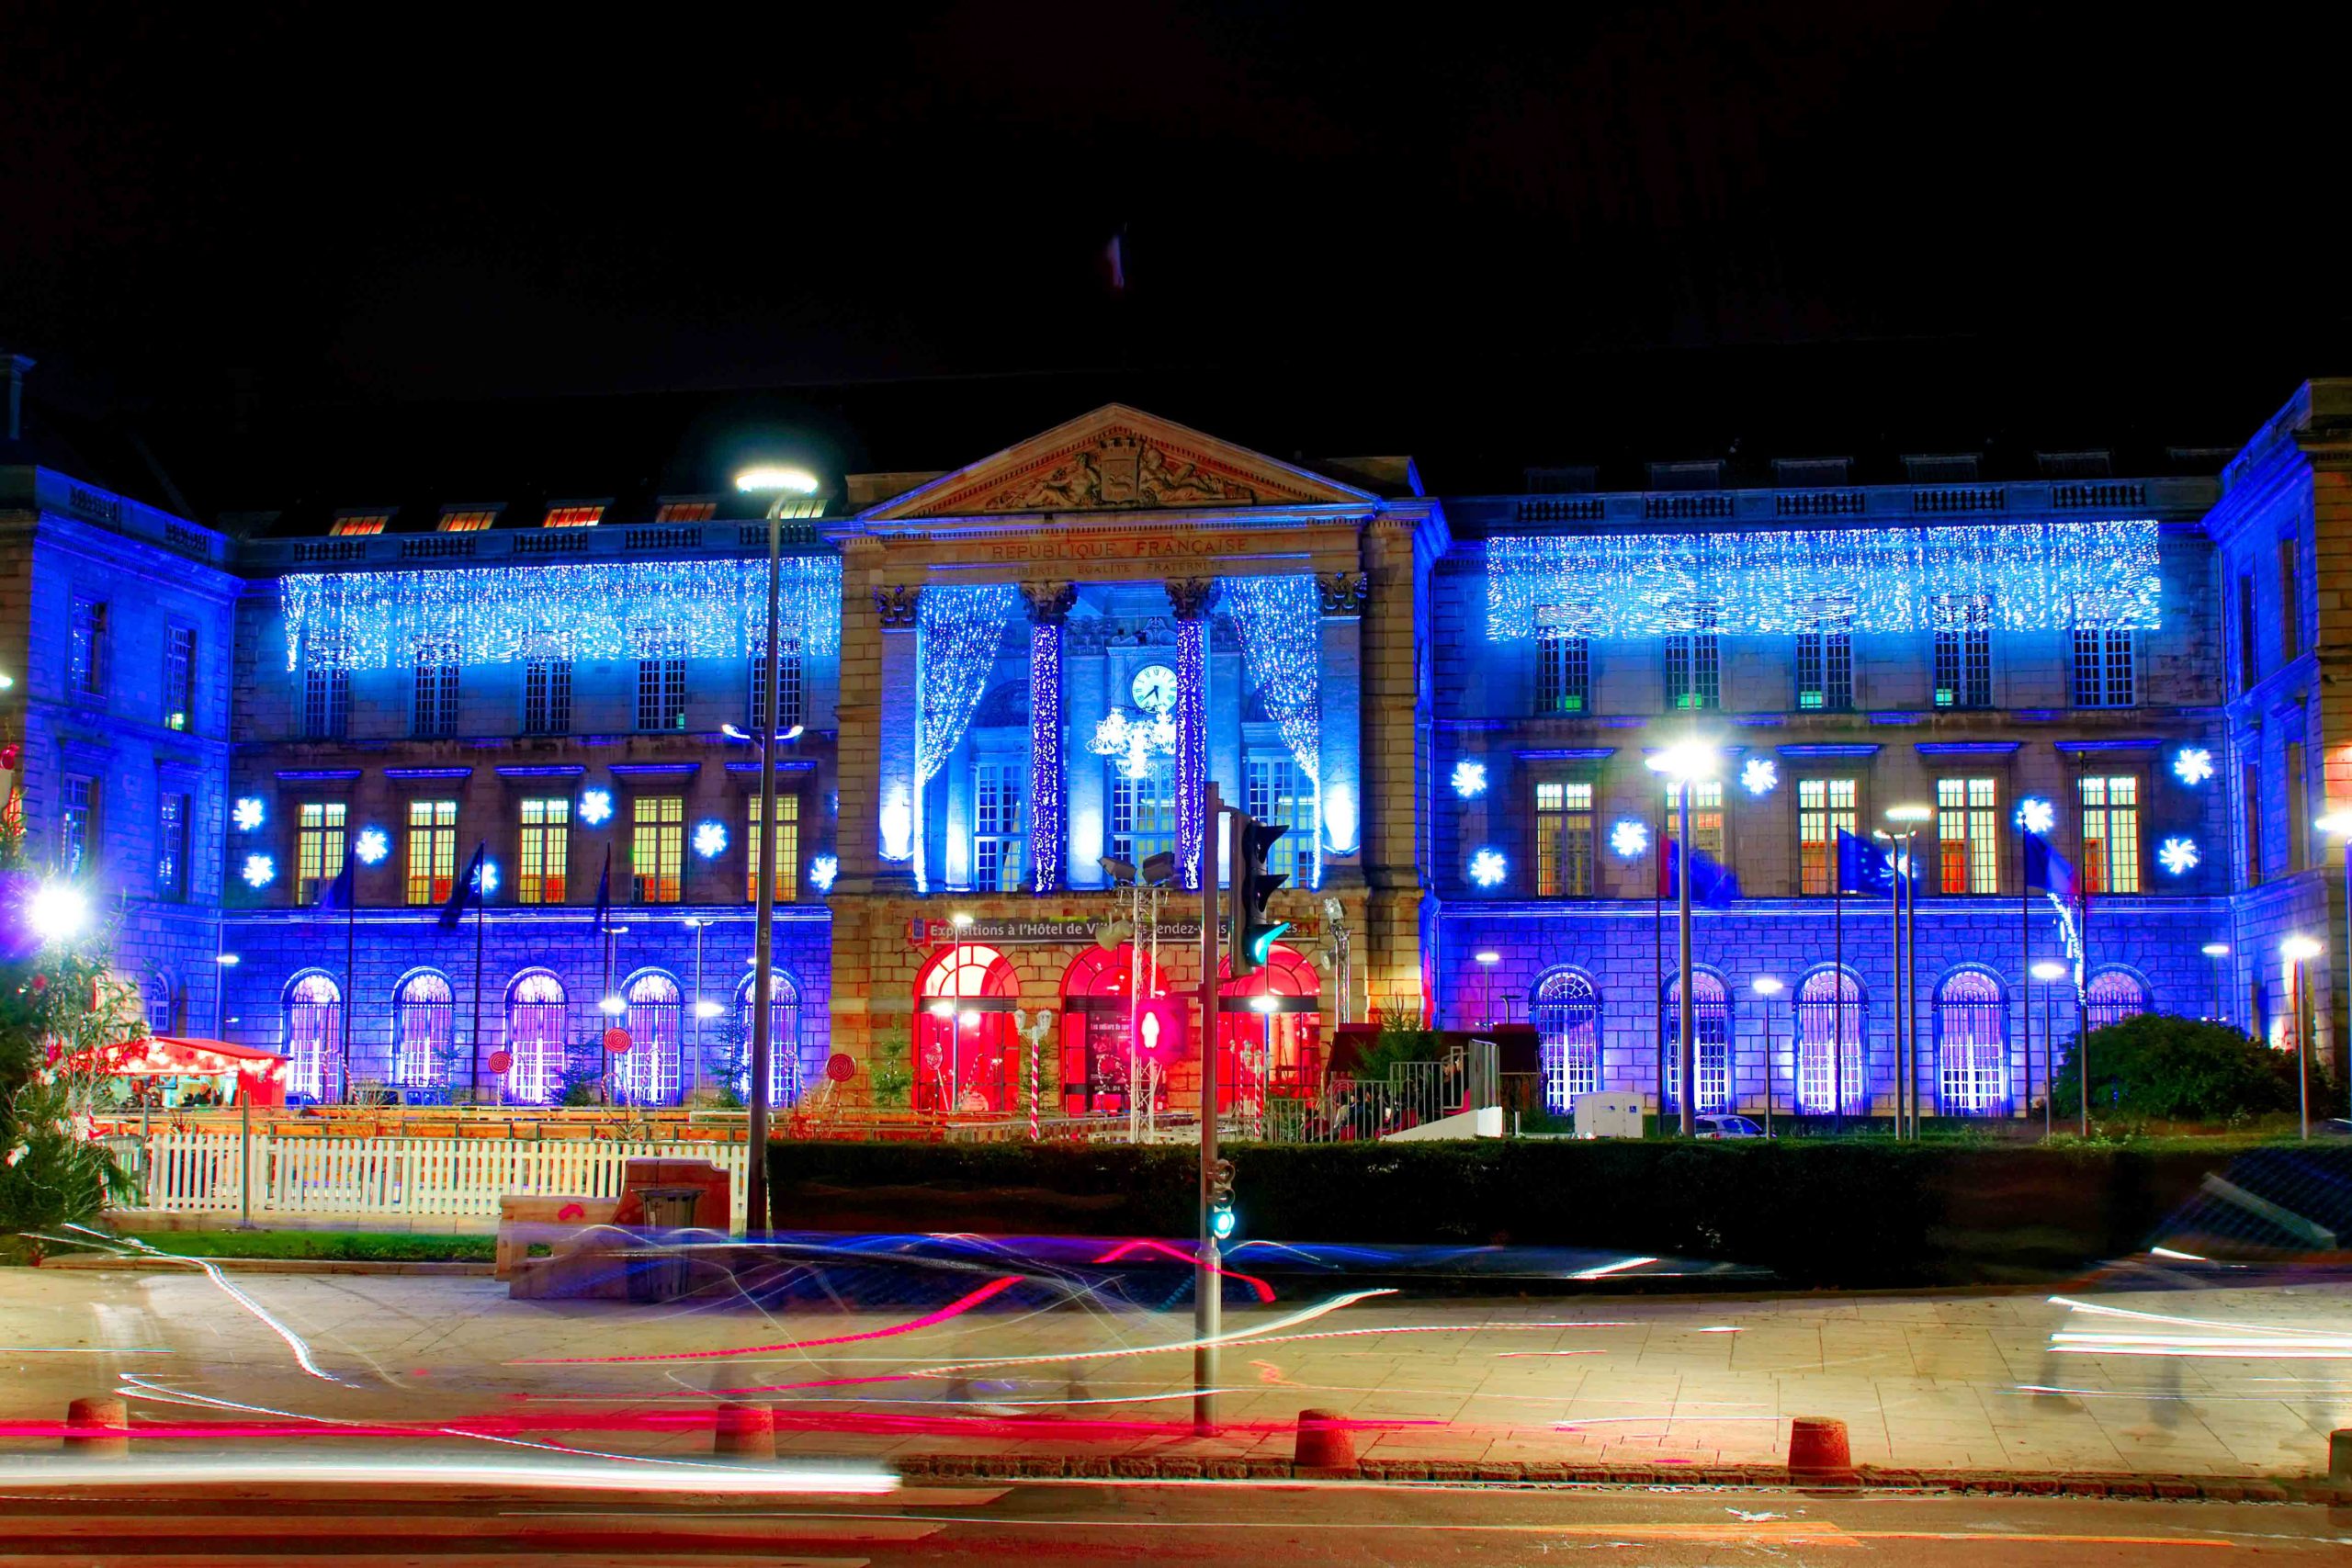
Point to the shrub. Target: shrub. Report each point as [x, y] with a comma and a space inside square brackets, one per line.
[2159, 1066]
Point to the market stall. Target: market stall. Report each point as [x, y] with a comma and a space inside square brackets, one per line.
[184, 1073]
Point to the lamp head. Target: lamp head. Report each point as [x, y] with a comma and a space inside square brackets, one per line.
[1689, 759]
[961, 919]
[2336, 824]
[1766, 985]
[1490, 957]
[773, 478]
[1909, 813]
[2217, 950]
[2298, 949]
[2049, 971]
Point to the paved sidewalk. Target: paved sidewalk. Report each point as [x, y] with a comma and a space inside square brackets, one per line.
[2251, 1385]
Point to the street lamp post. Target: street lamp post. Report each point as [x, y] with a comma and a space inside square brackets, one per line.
[2049, 973]
[227, 961]
[780, 484]
[2337, 825]
[2300, 950]
[1487, 962]
[1766, 987]
[1906, 968]
[1686, 761]
[2217, 951]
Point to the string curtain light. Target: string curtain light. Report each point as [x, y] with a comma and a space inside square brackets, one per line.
[959, 633]
[1279, 623]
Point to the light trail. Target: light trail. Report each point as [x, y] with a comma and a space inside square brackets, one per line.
[929, 1320]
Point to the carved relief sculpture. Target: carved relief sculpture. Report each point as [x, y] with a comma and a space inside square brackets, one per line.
[1343, 592]
[898, 604]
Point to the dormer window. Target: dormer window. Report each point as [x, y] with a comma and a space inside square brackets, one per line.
[466, 519]
[685, 510]
[574, 516]
[354, 525]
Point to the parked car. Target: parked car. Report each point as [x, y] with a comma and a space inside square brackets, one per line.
[1726, 1127]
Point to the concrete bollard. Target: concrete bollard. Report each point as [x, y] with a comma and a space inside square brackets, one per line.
[743, 1431]
[98, 1429]
[2339, 1456]
[1818, 1450]
[1323, 1441]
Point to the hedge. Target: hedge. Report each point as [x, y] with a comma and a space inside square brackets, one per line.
[1814, 1212]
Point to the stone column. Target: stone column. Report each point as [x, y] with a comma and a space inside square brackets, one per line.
[1391, 948]
[1340, 753]
[858, 717]
[1191, 597]
[1049, 606]
[1089, 804]
[898, 800]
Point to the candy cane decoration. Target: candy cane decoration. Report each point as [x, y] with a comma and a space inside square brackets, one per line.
[1033, 1028]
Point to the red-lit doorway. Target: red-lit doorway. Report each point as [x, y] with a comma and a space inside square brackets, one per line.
[1263, 1054]
[966, 1054]
[1099, 1026]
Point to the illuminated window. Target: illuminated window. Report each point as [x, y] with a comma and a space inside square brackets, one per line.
[1824, 805]
[538, 1027]
[1143, 814]
[425, 1019]
[2112, 998]
[787, 847]
[1712, 1044]
[317, 847]
[1967, 820]
[313, 1035]
[647, 1073]
[1693, 667]
[468, 520]
[2111, 834]
[179, 676]
[997, 841]
[432, 850]
[685, 511]
[352, 525]
[1563, 669]
[1963, 653]
[546, 696]
[1277, 796]
[784, 1036]
[546, 851]
[1566, 1012]
[1563, 839]
[1971, 1045]
[1706, 816]
[1829, 1008]
[656, 851]
[573, 517]
[2103, 673]
[1824, 670]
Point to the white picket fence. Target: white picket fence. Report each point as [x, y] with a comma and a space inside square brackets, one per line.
[199, 1172]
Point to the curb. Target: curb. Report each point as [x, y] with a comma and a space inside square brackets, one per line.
[132, 1265]
[2314, 1489]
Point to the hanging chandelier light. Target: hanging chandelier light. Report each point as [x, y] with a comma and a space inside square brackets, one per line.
[1137, 742]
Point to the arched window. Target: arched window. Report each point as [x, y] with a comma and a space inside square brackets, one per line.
[2112, 996]
[539, 1032]
[1099, 1023]
[1713, 1043]
[1567, 1015]
[1829, 1008]
[313, 1034]
[424, 1030]
[160, 998]
[784, 1037]
[1971, 1045]
[966, 1051]
[647, 1073]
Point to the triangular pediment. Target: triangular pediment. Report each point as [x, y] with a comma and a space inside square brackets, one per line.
[1116, 460]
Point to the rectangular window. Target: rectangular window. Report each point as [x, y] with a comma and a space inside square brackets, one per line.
[1824, 805]
[1562, 671]
[545, 855]
[468, 519]
[2249, 660]
[661, 691]
[432, 850]
[2298, 809]
[77, 825]
[546, 696]
[787, 668]
[1143, 814]
[657, 849]
[573, 517]
[326, 703]
[2103, 677]
[1275, 794]
[2250, 802]
[173, 815]
[356, 524]
[1706, 817]
[2290, 603]
[436, 692]
[1967, 836]
[87, 657]
[1964, 654]
[787, 847]
[685, 511]
[317, 847]
[1693, 672]
[179, 676]
[2111, 834]
[996, 825]
[1563, 839]
[1824, 670]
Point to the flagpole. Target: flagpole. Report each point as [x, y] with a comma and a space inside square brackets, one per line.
[1894, 953]
[350, 962]
[1657, 956]
[473, 1066]
[1837, 988]
[2025, 980]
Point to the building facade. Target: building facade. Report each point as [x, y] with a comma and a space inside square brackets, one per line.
[1002, 687]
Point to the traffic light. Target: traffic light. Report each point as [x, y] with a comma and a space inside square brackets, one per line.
[1254, 933]
[1221, 1220]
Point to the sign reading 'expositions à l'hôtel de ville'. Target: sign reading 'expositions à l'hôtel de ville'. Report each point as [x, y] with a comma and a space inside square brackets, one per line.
[1072, 929]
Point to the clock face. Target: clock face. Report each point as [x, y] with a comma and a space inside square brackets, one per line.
[1155, 688]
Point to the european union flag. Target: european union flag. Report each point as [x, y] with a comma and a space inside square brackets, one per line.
[1712, 883]
[1862, 866]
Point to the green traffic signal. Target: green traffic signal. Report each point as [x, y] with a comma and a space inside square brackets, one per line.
[1253, 933]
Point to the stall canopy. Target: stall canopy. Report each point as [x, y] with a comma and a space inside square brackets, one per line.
[261, 1073]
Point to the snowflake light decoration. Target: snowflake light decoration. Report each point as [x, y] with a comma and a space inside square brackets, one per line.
[372, 846]
[2178, 856]
[1469, 779]
[1759, 775]
[2036, 815]
[595, 806]
[2192, 766]
[1487, 868]
[822, 872]
[1629, 839]
[710, 838]
[248, 814]
[486, 879]
[259, 870]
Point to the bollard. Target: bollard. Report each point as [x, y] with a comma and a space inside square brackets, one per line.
[1818, 1450]
[2339, 1456]
[1324, 1442]
[98, 1429]
[743, 1431]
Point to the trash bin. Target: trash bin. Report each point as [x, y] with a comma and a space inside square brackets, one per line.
[658, 1271]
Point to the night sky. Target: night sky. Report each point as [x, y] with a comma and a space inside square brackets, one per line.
[1411, 218]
